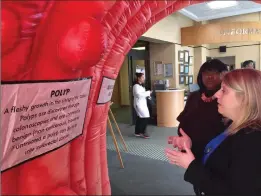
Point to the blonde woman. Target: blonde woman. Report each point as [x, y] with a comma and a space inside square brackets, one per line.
[232, 161]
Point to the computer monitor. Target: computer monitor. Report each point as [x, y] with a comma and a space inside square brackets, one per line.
[160, 86]
[193, 87]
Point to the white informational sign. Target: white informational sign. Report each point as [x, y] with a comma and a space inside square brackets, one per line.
[158, 68]
[106, 90]
[39, 117]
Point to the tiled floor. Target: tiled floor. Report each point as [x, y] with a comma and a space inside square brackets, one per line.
[145, 162]
[138, 148]
[151, 148]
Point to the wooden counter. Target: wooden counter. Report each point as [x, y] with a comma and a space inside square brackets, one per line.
[169, 105]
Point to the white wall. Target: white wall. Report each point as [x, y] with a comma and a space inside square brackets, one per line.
[168, 29]
[242, 50]
[167, 38]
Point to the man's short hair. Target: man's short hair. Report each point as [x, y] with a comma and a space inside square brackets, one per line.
[246, 63]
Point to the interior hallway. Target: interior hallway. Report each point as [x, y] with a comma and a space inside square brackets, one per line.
[122, 114]
[147, 171]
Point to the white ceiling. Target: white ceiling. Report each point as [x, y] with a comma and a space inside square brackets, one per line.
[201, 12]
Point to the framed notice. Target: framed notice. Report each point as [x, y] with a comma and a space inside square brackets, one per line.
[181, 79]
[186, 56]
[168, 70]
[186, 69]
[190, 79]
[181, 56]
[186, 80]
[158, 68]
[181, 69]
[106, 90]
[40, 116]
[190, 60]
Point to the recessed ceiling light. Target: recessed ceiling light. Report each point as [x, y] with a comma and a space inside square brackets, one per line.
[221, 4]
[139, 48]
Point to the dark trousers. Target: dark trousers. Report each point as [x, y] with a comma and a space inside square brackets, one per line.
[141, 125]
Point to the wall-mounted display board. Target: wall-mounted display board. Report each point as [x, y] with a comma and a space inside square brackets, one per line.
[186, 71]
[181, 68]
[168, 70]
[181, 79]
[184, 66]
[190, 60]
[190, 79]
[186, 56]
[158, 68]
[186, 79]
[221, 33]
[181, 56]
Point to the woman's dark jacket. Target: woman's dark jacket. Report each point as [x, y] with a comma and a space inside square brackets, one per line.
[234, 168]
[201, 121]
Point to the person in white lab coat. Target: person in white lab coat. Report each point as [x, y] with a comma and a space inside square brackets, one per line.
[140, 105]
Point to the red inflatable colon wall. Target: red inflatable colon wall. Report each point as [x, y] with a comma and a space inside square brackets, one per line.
[68, 40]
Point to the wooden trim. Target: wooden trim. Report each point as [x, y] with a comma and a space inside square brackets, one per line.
[221, 33]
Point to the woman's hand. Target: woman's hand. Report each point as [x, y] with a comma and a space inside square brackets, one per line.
[182, 159]
[178, 141]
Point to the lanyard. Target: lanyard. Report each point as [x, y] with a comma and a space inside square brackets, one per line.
[212, 145]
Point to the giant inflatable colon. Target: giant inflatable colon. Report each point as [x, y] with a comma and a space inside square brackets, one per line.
[59, 63]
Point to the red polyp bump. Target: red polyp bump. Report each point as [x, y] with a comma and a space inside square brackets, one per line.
[10, 29]
[82, 44]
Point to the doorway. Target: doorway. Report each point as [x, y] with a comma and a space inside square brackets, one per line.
[230, 61]
[137, 60]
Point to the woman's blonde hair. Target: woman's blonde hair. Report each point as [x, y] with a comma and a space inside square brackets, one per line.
[247, 84]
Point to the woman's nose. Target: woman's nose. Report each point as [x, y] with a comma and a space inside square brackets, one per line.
[217, 94]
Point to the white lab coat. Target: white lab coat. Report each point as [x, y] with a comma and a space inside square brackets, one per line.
[140, 101]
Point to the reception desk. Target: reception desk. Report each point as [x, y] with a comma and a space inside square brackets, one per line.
[169, 105]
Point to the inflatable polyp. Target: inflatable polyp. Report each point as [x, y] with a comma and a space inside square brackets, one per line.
[49, 50]
[73, 47]
[68, 47]
[10, 29]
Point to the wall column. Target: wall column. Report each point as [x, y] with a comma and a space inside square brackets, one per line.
[164, 52]
[200, 56]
